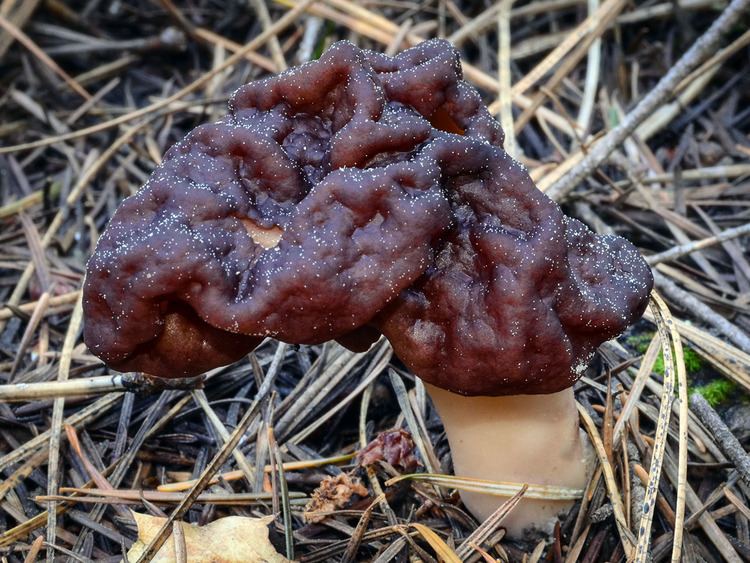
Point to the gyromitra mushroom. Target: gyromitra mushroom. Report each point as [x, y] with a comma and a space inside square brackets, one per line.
[361, 195]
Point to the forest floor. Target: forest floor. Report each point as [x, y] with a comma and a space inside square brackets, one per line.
[615, 115]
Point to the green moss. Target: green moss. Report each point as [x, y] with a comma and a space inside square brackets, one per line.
[693, 361]
[640, 341]
[717, 392]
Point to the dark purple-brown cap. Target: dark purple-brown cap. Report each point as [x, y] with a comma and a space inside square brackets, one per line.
[350, 196]
[519, 296]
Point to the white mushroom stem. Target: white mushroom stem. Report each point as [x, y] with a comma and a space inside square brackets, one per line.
[531, 439]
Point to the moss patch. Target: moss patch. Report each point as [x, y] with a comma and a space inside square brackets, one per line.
[717, 392]
[693, 362]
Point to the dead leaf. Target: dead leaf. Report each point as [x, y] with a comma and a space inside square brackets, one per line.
[233, 539]
[333, 493]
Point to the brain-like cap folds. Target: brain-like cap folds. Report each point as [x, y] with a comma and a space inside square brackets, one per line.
[357, 195]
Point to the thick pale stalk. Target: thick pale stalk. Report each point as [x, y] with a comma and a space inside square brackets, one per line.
[525, 439]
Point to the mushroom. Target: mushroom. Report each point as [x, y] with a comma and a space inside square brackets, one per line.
[297, 216]
[505, 320]
[502, 325]
[361, 195]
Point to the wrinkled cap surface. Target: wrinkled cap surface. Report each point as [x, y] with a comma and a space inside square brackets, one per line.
[355, 196]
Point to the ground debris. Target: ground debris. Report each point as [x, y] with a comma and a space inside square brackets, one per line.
[234, 539]
[333, 493]
[393, 446]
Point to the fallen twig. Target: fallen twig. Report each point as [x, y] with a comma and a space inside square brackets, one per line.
[724, 437]
[700, 51]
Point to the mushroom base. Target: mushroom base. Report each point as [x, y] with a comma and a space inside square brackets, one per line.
[523, 438]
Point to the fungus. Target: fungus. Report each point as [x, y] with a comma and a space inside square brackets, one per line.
[505, 320]
[361, 195]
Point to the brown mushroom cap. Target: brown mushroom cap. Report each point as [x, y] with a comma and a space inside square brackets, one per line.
[519, 295]
[350, 196]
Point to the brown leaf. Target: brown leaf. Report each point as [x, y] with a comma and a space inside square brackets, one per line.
[233, 539]
[333, 493]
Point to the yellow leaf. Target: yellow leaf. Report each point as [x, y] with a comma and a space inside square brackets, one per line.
[442, 550]
[234, 539]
